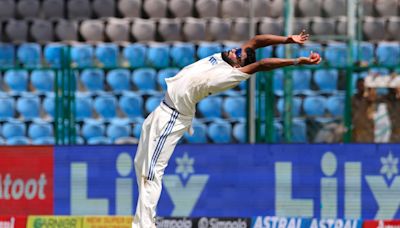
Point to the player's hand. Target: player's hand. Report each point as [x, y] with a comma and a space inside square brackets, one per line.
[299, 39]
[313, 59]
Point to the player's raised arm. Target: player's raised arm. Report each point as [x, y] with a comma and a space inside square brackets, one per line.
[268, 64]
[267, 39]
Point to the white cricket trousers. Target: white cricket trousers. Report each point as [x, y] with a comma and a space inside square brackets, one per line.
[161, 131]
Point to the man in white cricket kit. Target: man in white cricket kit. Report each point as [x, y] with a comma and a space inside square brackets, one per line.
[163, 128]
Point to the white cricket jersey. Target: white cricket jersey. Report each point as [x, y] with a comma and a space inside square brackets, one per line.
[200, 79]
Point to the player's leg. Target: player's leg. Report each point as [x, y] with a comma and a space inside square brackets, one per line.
[162, 136]
[143, 217]
[160, 161]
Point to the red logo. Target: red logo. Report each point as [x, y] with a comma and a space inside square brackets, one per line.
[381, 224]
[26, 180]
[13, 221]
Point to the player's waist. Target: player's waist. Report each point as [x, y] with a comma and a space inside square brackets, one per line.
[167, 103]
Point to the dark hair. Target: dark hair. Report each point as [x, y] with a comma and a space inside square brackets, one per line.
[250, 56]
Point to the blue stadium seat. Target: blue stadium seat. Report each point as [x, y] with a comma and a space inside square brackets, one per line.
[234, 107]
[43, 80]
[117, 130]
[388, 54]
[49, 140]
[93, 79]
[107, 54]
[131, 105]
[92, 128]
[135, 54]
[266, 52]
[299, 131]
[220, 131]
[210, 107]
[183, 54]
[13, 128]
[49, 105]
[294, 48]
[208, 48]
[101, 140]
[82, 55]
[307, 48]
[18, 140]
[279, 79]
[163, 74]
[335, 105]
[326, 79]
[152, 103]
[239, 132]
[16, 80]
[40, 129]
[336, 54]
[366, 52]
[28, 106]
[29, 54]
[55, 54]
[277, 131]
[302, 81]
[119, 80]
[158, 56]
[382, 71]
[7, 55]
[137, 128]
[243, 86]
[296, 106]
[7, 107]
[314, 105]
[106, 106]
[83, 106]
[199, 135]
[145, 80]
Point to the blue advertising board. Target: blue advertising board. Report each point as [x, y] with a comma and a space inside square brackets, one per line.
[296, 180]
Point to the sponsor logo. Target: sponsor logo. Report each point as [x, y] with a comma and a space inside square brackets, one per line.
[385, 189]
[54, 221]
[13, 221]
[174, 222]
[282, 222]
[15, 189]
[107, 221]
[381, 224]
[223, 223]
[26, 180]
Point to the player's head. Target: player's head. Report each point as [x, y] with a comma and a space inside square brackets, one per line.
[238, 58]
[360, 85]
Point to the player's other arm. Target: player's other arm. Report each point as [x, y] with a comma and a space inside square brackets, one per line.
[268, 64]
[266, 39]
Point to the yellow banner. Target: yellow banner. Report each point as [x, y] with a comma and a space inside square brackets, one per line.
[54, 222]
[107, 222]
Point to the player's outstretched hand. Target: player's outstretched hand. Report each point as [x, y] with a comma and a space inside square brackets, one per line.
[299, 39]
[313, 59]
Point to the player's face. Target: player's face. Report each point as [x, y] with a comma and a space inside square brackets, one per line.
[236, 56]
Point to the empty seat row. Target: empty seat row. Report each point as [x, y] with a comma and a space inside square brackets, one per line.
[76, 9]
[124, 30]
[108, 55]
[180, 54]
[142, 81]
[314, 106]
[188, 29]
[79, 9]
[377, 8]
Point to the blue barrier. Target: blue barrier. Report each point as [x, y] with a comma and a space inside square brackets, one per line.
[297, 180]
